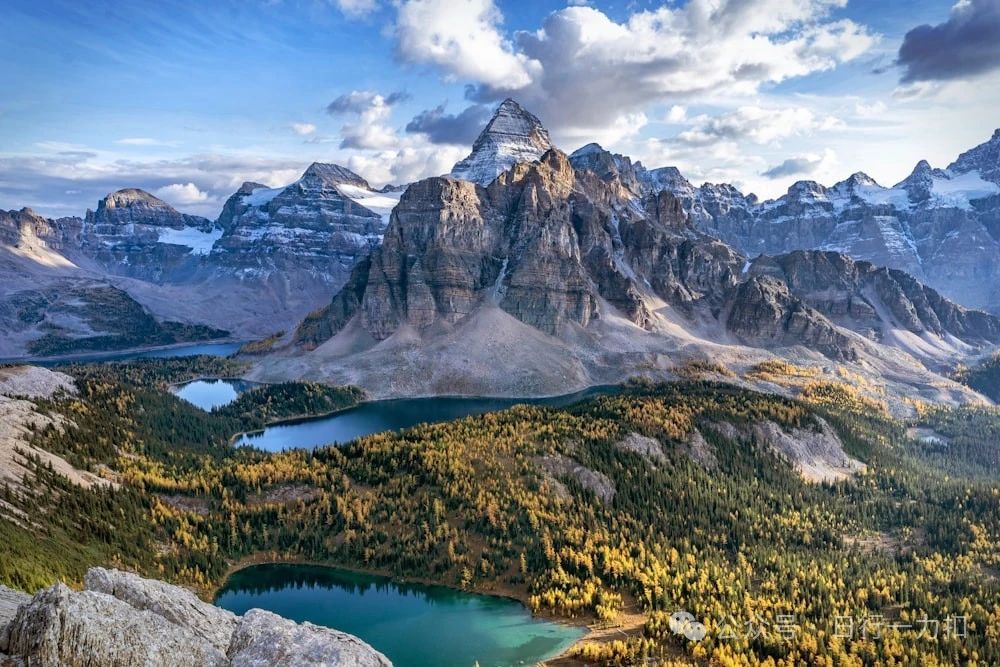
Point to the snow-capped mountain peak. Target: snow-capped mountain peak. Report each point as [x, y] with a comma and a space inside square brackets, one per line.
[513, 135]
[984, 158]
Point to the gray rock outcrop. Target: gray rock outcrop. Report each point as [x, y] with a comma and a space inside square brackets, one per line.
[178, 605]
[593, 481]
[263, 639]
[62, 628]
[122, 620]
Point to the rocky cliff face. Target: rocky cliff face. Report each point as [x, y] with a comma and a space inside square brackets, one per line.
[886, 305]
[122, 619]
[544, 243]
[513, 135]
[940, 225]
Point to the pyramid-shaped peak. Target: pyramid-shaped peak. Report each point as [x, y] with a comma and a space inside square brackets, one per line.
[334, 174]
[514, 120]
[513, 135]
[861, 178]
[593, 148]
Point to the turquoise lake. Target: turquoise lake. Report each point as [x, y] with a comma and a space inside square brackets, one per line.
[413, 624]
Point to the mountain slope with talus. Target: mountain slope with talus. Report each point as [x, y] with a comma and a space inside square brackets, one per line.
[555, 277]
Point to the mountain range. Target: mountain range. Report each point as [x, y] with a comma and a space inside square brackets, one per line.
[273, 255]
[530, 271]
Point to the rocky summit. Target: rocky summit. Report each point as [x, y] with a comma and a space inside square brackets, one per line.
[513, 135]
[319, 226]
[122, 619]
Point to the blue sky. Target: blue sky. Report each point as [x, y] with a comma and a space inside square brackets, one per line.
[189, 99]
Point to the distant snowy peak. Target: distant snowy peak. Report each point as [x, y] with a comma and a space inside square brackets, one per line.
[132, 206]
[513, 135]
[925, 187]
[321, 188]
[333, 174]
[984, 158]
[314, 229]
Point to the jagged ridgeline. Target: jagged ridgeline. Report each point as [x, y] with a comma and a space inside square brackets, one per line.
[528, 271]
[624, 508]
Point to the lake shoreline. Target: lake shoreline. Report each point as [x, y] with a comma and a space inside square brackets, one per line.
[564, 658]
[556, 401]
[110, 355]
[179, 384]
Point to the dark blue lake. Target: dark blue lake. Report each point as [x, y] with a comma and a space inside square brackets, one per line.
[391, 415]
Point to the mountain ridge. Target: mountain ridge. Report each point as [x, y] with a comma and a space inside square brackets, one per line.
[579, 261]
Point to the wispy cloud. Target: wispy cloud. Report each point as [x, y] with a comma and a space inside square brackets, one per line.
[303, 129]
[143, 141]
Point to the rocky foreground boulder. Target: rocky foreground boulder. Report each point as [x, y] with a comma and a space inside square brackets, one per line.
[120, 619]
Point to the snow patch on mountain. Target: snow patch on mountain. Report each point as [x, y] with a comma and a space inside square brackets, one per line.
[262, 196]
[199, 242]
[379, 202]
[961, 190]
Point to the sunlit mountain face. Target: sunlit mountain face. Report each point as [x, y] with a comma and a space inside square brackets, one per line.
[429, 333]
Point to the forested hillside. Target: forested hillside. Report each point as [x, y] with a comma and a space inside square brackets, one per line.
[660, 498]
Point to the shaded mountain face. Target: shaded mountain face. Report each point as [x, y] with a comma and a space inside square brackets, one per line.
[940, 225]
[513, 135]
[886, 305]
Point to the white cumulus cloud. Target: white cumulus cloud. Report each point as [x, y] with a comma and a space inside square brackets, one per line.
[582, 72]
[369, 129]
[463, 37]
[303, 129]
[757, 124]
[181, 194]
